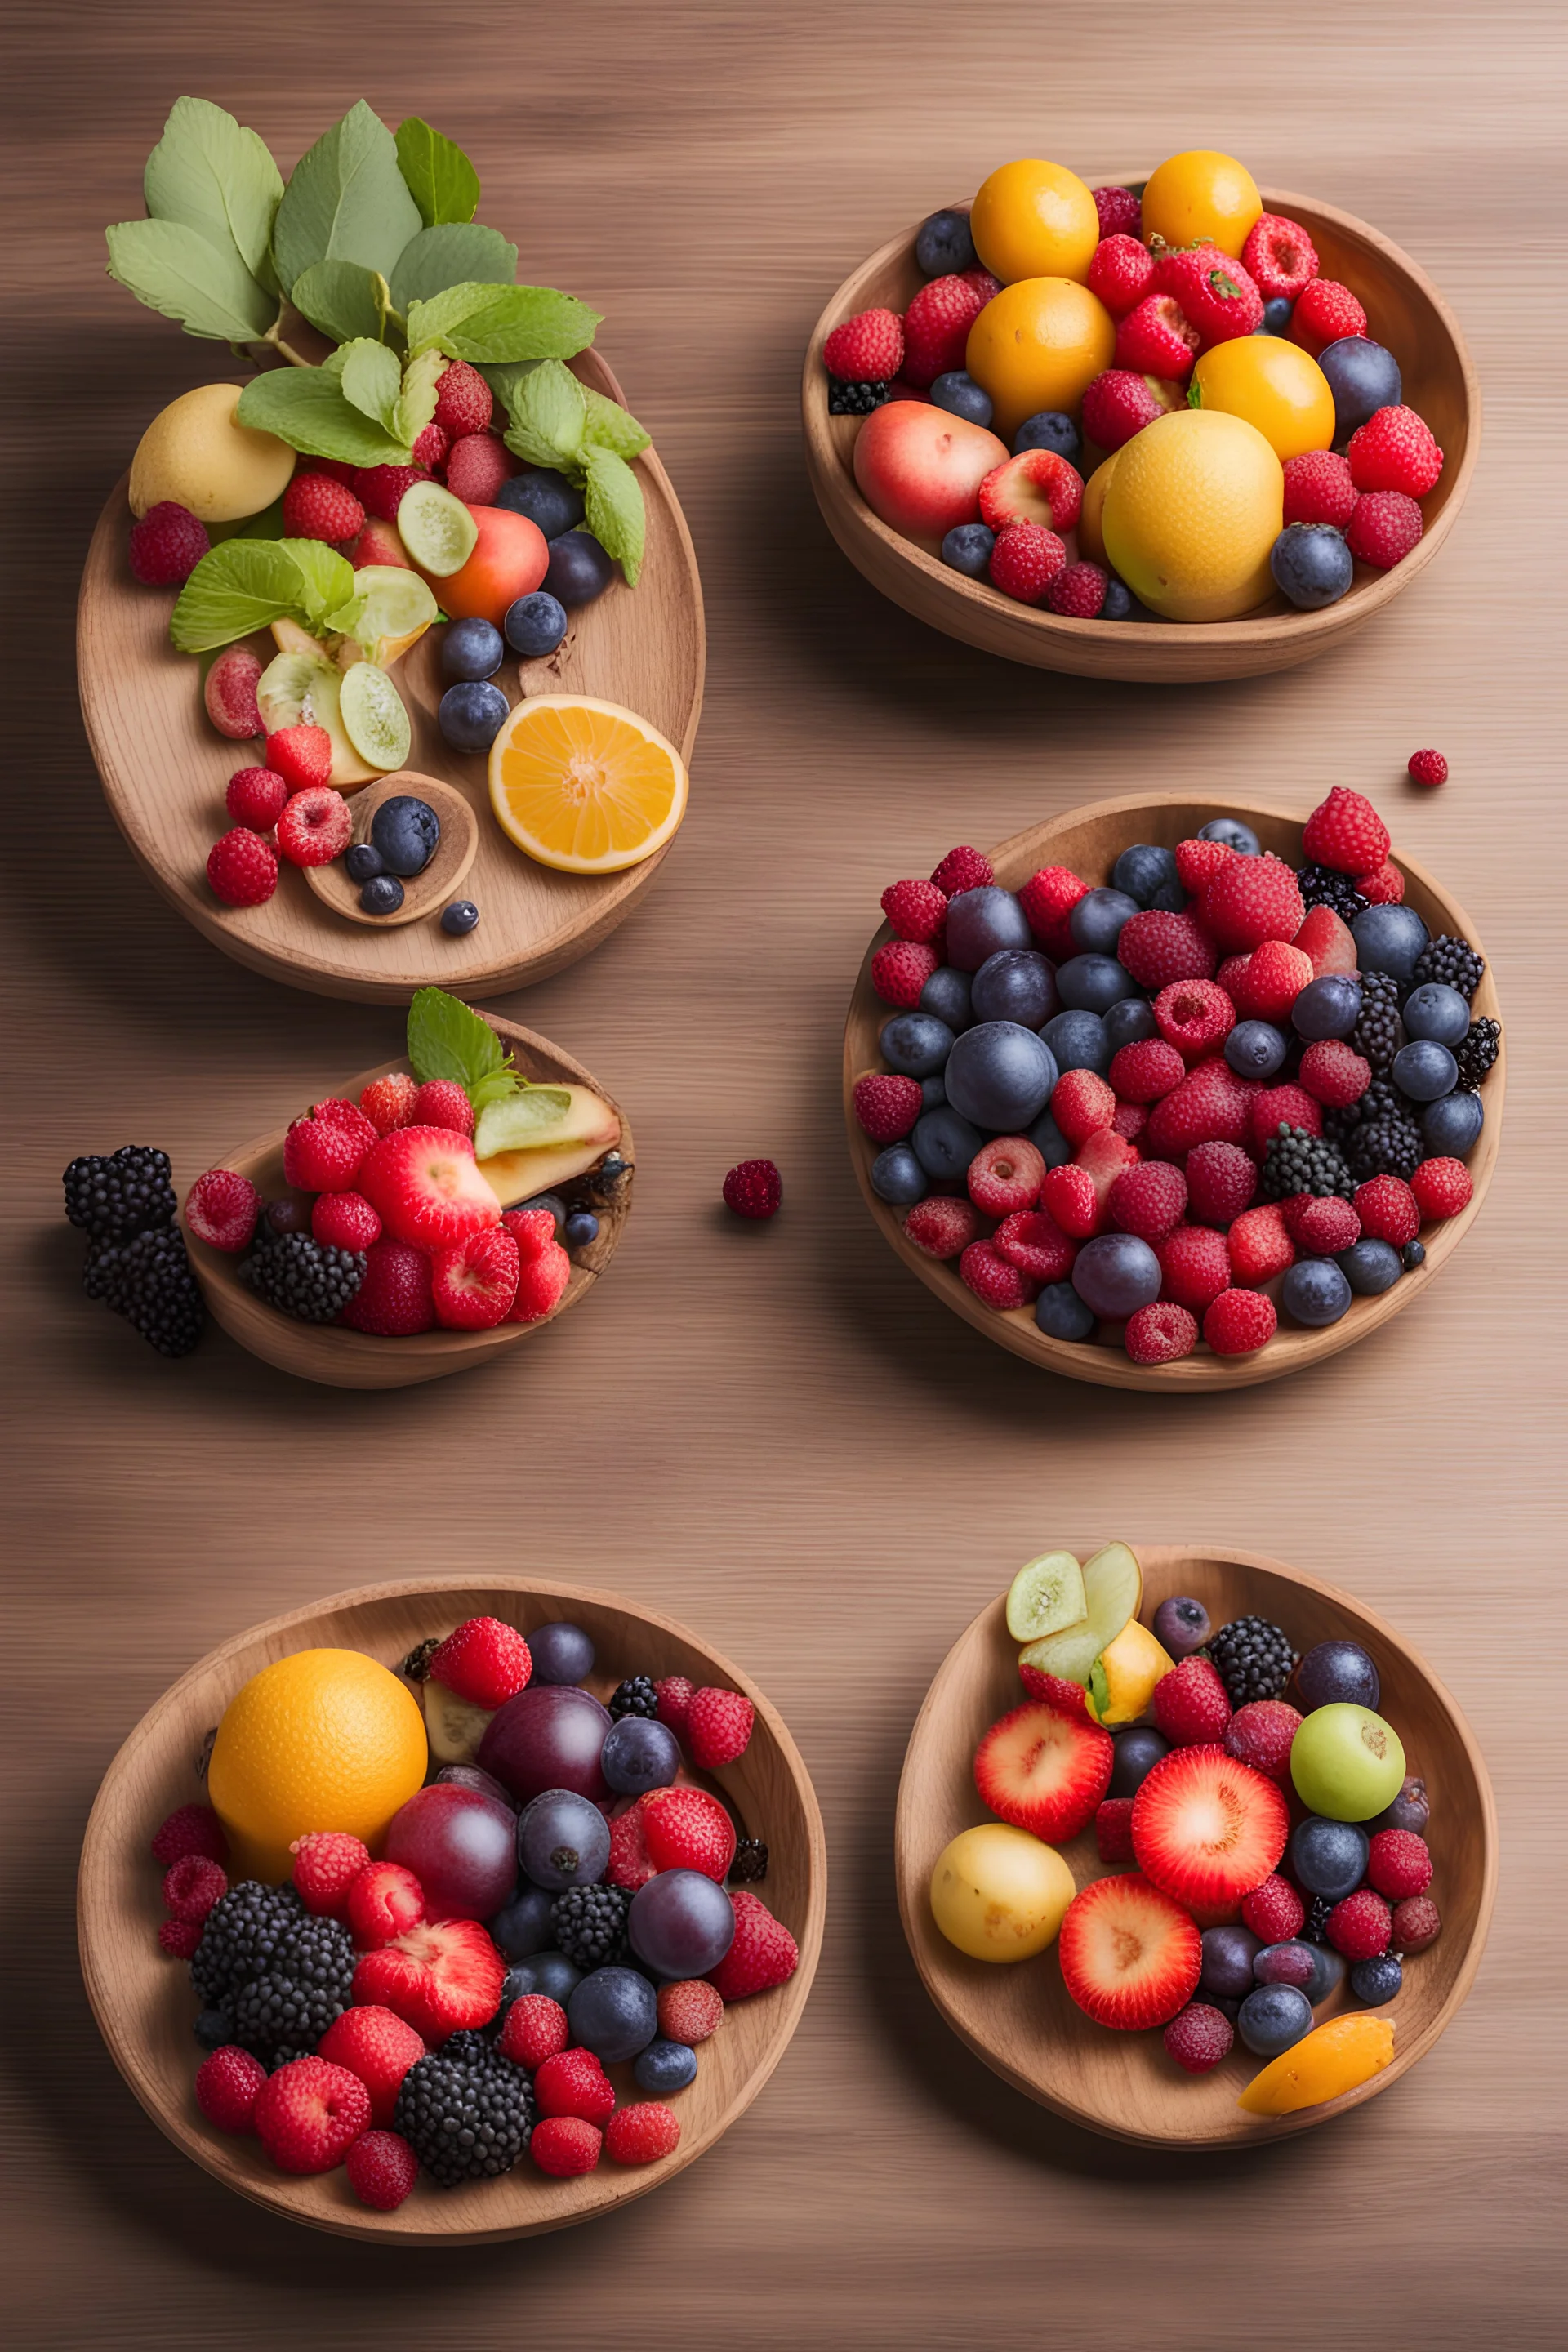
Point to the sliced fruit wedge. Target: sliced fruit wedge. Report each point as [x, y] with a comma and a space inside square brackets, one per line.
[1325, 2064]
[437, 529]
[1207, 1829]
[585, 786]
[1112, 1588]
[1122, 1679]
[1045, 1596]
[300, 687]
[453, 1726]
[1045, 1768]
[375, 719]
[1130, 1957]
[399, 606]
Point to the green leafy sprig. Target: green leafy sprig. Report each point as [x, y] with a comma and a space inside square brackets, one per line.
[447, 1040]
[557, 421]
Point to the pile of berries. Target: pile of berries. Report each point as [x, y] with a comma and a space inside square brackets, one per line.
[1151, 1109]
[136, 1262]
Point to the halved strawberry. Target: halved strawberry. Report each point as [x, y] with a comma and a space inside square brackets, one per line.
[1036, 485]
[1039, 1684]
[1324, 937]
[440, 1978]
[427, 1186]
[1044, 1768]
[1131, 1957]
[1207, 1829]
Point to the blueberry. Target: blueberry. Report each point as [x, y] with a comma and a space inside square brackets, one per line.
[1182, 1625]
[897, 1178]
[1115, 1274]
[460, 917]
[944, 245]
[1370, 1268]
[582, 1227]
[1077, 1038]
[638, 1754]
[1276, 314]
[981, 921]
[1255, 1049]
[1451, 1126]
[1234, 833]
[944, 1144]
[1315, 1292]
[1329, 1007]
[406, 831]
[1425, 1071]
[1093, 984]
[1338, 1673]
[1273, 2018]
[1000, 1075]
[362, 860]
[1437, 1011]
[1328, 1857]
[1016, 985]
[967, 549]
[1312, 565]
[1097, 921]
[1389, 938]
[472, 650]
[1137, 1751]
[557, 1208]
[1049, 1141]
[1120, 605]
[958, 393]
[579, 568]
[916, 1044]
[1128, 1021]
[1061, 1314]
[1143, 870]
[523, 1928]
[934, 1094]
[1052, 429]
[551, 1973]
[546, 497]
[1375, 1981]
[563, 1653]
[1228, 1955]
[535, 625]
[614, 2013]
[1289, 1963]
[947, 995]
[1414, 1254]
[1362, 377]
[471, 717]
[665, 2066]
[382, 895]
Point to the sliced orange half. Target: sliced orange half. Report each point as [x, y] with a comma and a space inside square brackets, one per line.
[583, 785]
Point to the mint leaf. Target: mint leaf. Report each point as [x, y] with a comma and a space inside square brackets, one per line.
[211, 175]
[346, 201]
[608, 426]
[615, 503]
[548, 415]
[417, 400]
[451, 253]
[440, 177]
[501, 324]
[175, 269]
[236, 587]
[341, 297]
[372, 379]
[446, 1040]
[306, 408]
[327, 578]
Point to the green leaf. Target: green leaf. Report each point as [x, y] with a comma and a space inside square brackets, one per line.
[218, 179]
[345, 620]
[1100, 1688]
[236, 588]
[501, 324]
[1194, 393]
[446, 1040]
[451, 255]
[548, 413]
[175, 270]
[608, 426]
[440, 178]
[416, 401]
[306, 408]
[372, 379]
[327, 578]
[339, 296]
[615, 516]
[345, 201]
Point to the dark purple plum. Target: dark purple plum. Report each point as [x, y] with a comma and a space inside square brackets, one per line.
[980, 923]
[1000, 1075]
[562, 1652]
[462, 1848]
[562, 1840]
[682, 1924]
[640, 1754]
[1228, 1955]
[1015, 985]
[548, 1737]
[483, 1784]
[1138, 1750]
[1337, 1671]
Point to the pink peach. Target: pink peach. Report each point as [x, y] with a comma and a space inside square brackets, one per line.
[920, 468]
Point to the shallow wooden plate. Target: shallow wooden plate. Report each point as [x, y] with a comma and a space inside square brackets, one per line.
[165, 767]
[1089, 841]
[424, 893]
[1404, 311]
[341, 1358]
[1020, 2018]
[144, 2005]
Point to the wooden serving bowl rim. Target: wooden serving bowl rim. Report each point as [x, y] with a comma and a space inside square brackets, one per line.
[1172, 1567]
[116, 1897]
[1292, 1348]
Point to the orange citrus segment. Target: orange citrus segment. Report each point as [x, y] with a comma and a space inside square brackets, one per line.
[583, 785]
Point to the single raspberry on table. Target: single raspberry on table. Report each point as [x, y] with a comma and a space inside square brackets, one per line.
[1120, 272]
[1360, 1925]
[395, 1299]
[1145, 1070]
[1006, 1175]
[1194, 1267]
[753, 1189]
[1428, 768]
[1048, 900]
[1321, 1225]
[1218, 295]
[464, 402]
[1383, 887]
[388, 1103]
[1274, 1910]
[690, 2012]
[1318, 488]
[719, 1724]
[430, 449]
[1399, 1864]
[573, 2082]
[1122, 401]
[963, 870]
[1221, 1181]
[309, 2114]
[378, 2047]
[1160, 1334]
[1441, 1187]
[868, 348]
[1149, 1200]
[1081, 1102]
[1395, 450]
[565, 2146]
[1035, 486]
[191, 1886]
[1275, 974]
[915, 910]
[899, 971]
[178, 1938]
[1289, 1103]
[1334, 1074]
[1198, 2037]
[242, 868]
[1031, 1240]
[762, 1955]
[326, 1864]
[1250, 900]
[1026, 560]
[1388, 1210]
[381, 490]
[1211, 1105]
[381, 2169]
[1240, 1322]
[1385, 526]
[1078, 591]
[228, 2083]
[256, 797]
[167, 545]
[936, 329]
[191, 1829]
[1260, 1734]
[1121, 210]
[535, 2029]
[642, 2133]
[887, 1106]
[1114, 1824]
[485, 1661]
[1195, 1015]
[1190, 1704]
[344, 1221]
[993, 1279]
[674, 1695]
[222, 1208]
[941, 1225]
[1197, 862]
[442, 1102]
[1157, 339]
[1325, 310]
[1416, 1923]
[316, 506]
[1157, 948]
[1260, 1245]
[1279, 257]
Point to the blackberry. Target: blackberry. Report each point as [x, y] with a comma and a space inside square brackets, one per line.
[751, 1862]
[1316, 1929]
[303, 1277]
[854, 399]
[417, 1664]
[114, 1199]
[1320, 887]
[1387, 1143]
[1379, 1032]
[279, 1975]
[280, 2017]
[244, 1933]
[635, 1695]
[1453, 961]
[148, 1279]
[1295, 1162]
[466, 2113]
[1478, 1053]
[589, 1925]
[1252, 1658]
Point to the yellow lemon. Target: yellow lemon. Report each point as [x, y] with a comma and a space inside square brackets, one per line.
[1274, 384]
[1090, 536]
[1039, 344]
[1034, 220]
[327, 1739]
[1122, 1679]
[1000, 1894]
[1325, 2063]
[194, 454]
[1195, 506]
[1202, 197]
[583, 785]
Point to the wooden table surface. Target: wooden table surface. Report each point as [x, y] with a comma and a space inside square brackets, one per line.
[772, 1432]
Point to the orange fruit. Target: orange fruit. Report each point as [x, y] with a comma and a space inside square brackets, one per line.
[1033, 219]
[1091, 535]
[1039, 344]
[584, 785]
[1275, 386]
[1195, 506]
[326, 1740]
[1202, 197]
[1329, 2061]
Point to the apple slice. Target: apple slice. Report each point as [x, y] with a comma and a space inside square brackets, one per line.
[1046, 1597]
[518, 1135]
[1112, 1590]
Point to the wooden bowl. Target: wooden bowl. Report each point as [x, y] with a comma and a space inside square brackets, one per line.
[165, 767]
[1020, 2018]
[425, 893]
[1089, 841]
[341, 1358]
[1405, 311]
[146, 2007]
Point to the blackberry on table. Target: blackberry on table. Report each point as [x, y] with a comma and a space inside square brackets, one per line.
[311, 1280]
[148, 1279]
[1451, 960]
[1253, 1659]
[589, 1925]
[635, 1695]
[751, 1862]
[1379, 1032]
[1295, 1162]
[1320, 885]
[466, 2113]
[854, 399]
[114, 1197]
[1476, 1053]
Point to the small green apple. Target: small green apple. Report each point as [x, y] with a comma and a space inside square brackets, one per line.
[1347, 1762]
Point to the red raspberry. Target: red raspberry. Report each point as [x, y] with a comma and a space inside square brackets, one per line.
[309, 2114]
[1287, 1105]
[762, 1955]
[388, 1103]
[347, 1114]
[642, 2133]
[191, 1886]
[1026, 560]
[915, 910]
[888, 1106]
[1149, 1200]
[1318, 488]
[178, 1938]
[1275, 975]
[1321, 1225]
[942, 1226]
[326, 1864]
[1197, 862]
[442, 1102]
[1418, 1922]
[484, 1660]
[379, 2047]
[382, 2167]
[464, 402]
[936, 329]
[1036, 485]
[381, 490]
[1120, 402]
[221, 1209]
[900, 969]
[563, 2145]
[1428, 768]
[1279, 257]
[474, 1282]
[1210, 1106]
[535, 2029]
[256, 798]
[867, 349]
[242, 868]
[1158, 947]
[383, 1903]
[1195, 1265]
[993, 1279]
[1395, 450]
[315, 826]
[430, 449]
[1031, 1240]
[1131, 1120]
[690, 2012]
[675, 1693]
[1198, 2037]
[395, 1300]
[1190, 1704]
[542, 1277]
[1195, 1015]
[227, 2085]
[1160, 1334]
[963, 870]
[755, 1189]
[477, 466]
[167, 545]
[1274, 1910]
[1260, 1734]
[1324, 312]
[719, 1726]
[1334, 1074]
[1383, 887]
[1122, 272]
[1157, 339]
[1142, 1072]
[1229, 975]
[1252, 899]
[1120, 212]
[1442, 1187]
[1385, 526]
[1398, 1863]
[1078, 591]
[1069, 1195]
[1221, 1181]
[1048, 900]
[1239, 1321]
[315, 507]
[630, 1864]
[1080, 1102]
[1006, 1175]
[322, 1155]
[344, 1221]
[1360, 1925]
[1218, 295]
[193, 1829]
[1260, 1245]
[573, 2082]
[1113, 1819]
[1388, 1210]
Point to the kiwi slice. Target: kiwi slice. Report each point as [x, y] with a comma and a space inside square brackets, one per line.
[1046, 1597]
[375, 719]
[437, 529]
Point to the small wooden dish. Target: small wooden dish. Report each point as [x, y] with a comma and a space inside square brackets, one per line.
[164, 766]
[423, 894]
[144, 2005]
[1089, 841]
[1020, 2018]
[341, 1358]
[1406, 312]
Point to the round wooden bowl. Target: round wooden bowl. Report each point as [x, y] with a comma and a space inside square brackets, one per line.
[1406, 312]
[340, 1358]
[425, 893]
[165, 767]
[144, 2005]
[1089, 841]
[1020, 2018]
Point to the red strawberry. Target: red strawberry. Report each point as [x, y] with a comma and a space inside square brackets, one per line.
[1260, 1245]
[474, 1282]
[1044, 1769]
[1207, 1829]
[1130, 1957]
[573, 2082]
[535, 2029]
[483, 1661]
[303, 756]
[389, 1102]
[440, 1979]
[1325, 940]
[1250, 900]
[315, 507]
[544, 1269]
[1217, 295]
[442, 1102]
[936, 328]
[718, 1727]
[564, 2146]
[1070, 1198]
[900, 969]
[321, 1154]
[1345, 831]
[1198, 861]
[427, 1185]
[642, 2133]
[690, 2012]
[867, 349]
[1210, 1106]
[1157, 339]
[1114, 1823]
[1274, 976]
[674, 1694]
[376, 2046]
[383, 1903]
[309, 2114]
[1070, 1697]
[686, 1829]
[1121, 273]
[630, 1865]
[382, 2167]
[763, 1953]
[1102, 1157]
[1048, 900]
[1035, 487]
[464, 402]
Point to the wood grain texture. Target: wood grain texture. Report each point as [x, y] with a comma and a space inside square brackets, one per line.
[1088, 842]
[1404, 310]
[1020, 2018]
[772, 1433]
